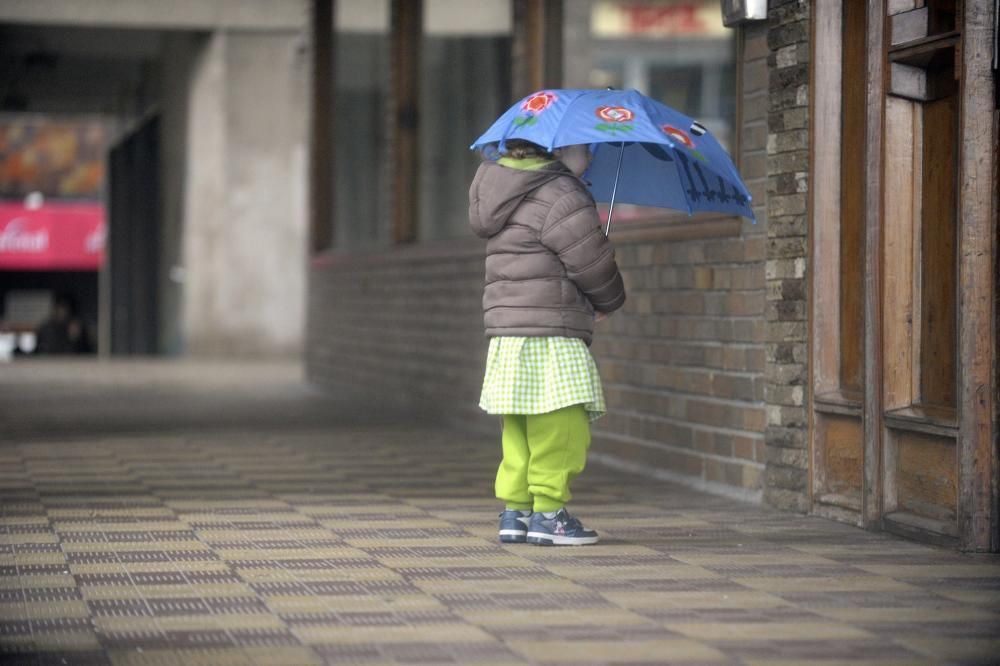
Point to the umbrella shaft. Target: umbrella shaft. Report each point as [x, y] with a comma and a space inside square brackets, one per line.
[614, 190]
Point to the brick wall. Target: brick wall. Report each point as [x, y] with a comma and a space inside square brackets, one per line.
[787, 307]
[683, 364]
[404, 326]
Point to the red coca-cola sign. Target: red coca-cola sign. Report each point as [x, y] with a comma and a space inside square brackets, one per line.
[52, 237]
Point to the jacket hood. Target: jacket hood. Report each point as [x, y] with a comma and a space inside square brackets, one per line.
[497, 191]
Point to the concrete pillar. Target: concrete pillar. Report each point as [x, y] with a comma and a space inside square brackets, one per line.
[244, 242]
[181, 53]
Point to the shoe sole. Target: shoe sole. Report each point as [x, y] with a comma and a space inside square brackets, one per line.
[543, 539]
[513, 536]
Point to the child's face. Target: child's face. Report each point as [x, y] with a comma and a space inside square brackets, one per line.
[577, 158]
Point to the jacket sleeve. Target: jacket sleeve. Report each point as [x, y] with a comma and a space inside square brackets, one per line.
[475, 220]
[573, 232]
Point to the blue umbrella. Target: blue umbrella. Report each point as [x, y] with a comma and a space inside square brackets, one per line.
[645, 153]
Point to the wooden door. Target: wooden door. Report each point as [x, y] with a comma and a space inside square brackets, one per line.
[838, 227]
[919, 294]
[902, 296]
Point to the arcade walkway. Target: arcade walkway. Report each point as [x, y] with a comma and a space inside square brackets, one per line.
[206, 513]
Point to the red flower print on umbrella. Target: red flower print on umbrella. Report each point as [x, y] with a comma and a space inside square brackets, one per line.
[685, 139]
[678, 135]
[614, 114]
[538, 102]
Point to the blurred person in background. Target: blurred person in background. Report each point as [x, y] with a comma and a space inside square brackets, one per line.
[63, 332]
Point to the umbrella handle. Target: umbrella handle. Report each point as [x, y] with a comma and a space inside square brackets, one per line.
[614, 190]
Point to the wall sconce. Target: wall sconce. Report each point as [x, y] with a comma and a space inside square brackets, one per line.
[735, 12]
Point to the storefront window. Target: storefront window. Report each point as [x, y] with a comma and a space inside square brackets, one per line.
[464, 86]
[676, 51]
[52, 228]
[361, 57]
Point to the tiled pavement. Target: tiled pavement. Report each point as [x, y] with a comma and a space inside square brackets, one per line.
[154, 514]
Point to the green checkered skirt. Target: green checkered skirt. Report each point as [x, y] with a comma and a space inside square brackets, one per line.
[539, 375]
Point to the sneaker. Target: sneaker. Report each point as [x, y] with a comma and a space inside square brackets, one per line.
[560, 530]
[514, 526]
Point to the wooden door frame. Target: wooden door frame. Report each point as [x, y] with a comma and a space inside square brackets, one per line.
[824, 116]
[875, 83]
[977, 222]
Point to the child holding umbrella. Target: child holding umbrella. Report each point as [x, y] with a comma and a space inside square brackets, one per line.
[550, 273]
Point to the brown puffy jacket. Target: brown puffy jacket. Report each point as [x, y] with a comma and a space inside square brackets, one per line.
[548, 264]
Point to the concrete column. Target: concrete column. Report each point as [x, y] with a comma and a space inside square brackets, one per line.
[245, 216]
[181, 53]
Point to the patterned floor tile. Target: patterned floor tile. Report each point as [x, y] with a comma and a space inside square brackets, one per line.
[603, 652]
[345, 541]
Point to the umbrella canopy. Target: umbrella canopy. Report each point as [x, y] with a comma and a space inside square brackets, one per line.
[645, 153]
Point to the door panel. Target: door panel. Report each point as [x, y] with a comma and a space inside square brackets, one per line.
[886, 376]
[838, 265]
[841, 462]
[919, 269]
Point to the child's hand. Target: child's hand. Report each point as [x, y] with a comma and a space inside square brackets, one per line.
[600, 316]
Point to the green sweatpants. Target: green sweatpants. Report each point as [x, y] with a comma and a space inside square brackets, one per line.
[542, 454]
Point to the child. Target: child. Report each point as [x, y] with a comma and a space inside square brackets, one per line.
[550, 271]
